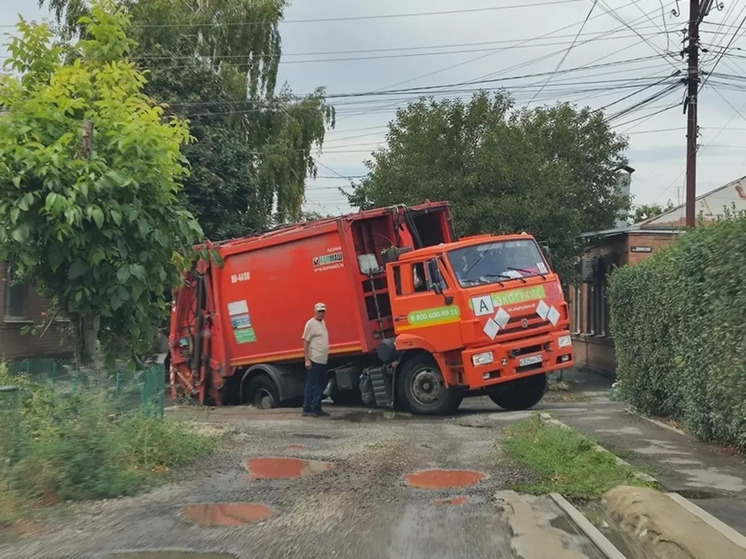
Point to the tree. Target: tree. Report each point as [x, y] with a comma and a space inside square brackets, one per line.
[215, 63]
[549, 171]
[647, 211]
[90, 180]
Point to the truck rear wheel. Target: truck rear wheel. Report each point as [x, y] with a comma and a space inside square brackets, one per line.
[263, 393]
[421, 387]
[520, 394]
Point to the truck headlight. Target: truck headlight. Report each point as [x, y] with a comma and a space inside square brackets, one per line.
[564, 341]
[483, 358]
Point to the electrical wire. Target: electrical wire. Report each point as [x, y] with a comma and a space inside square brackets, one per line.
[567, 52]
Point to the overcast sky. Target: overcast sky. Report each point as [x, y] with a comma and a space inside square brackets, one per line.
[498, 39]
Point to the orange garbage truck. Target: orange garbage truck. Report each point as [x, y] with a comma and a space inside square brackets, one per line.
[417, 318]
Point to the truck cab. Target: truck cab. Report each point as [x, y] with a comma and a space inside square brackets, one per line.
[484, 315]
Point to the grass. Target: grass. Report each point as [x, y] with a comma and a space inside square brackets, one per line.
[79, 445]
[564, 461]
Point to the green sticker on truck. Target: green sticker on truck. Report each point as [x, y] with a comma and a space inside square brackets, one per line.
[434, 316]
[516, 296]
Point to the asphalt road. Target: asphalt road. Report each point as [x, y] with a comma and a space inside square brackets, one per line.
[354, 498]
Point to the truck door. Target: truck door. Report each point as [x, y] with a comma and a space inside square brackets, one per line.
[424, 306]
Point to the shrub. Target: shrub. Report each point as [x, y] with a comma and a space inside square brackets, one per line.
[77, 445]
[678, 324]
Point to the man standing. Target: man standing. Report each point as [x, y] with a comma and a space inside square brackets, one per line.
[316, 350]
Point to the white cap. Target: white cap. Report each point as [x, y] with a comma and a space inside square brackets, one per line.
[319, 307]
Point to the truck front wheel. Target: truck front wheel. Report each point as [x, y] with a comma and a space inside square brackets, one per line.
[520, 394]
[421, 386]
[263, 393]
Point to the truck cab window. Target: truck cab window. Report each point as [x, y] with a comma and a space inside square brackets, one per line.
[418, 275]
[397, 280]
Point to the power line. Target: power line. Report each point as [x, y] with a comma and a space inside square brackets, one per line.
[370, 17]
[733, 38]
[567, 52]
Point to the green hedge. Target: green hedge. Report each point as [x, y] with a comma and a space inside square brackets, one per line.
[679, 326]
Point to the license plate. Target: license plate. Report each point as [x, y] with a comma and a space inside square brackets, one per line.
[532, 360]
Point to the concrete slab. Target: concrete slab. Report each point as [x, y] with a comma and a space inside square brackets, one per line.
[703, 472]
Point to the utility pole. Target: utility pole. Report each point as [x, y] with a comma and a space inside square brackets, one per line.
[691, 108]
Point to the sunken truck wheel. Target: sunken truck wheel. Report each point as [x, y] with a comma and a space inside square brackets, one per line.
[520, 394]
[421, 387]
[263, 393]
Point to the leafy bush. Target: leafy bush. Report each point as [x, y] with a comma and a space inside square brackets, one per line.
[678, 324]
[75, 445]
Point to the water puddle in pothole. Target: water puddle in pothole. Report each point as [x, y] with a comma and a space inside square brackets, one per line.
[169, 555]
[444, 479]
[372, 416]
[311, 436]
[227, 514]
[455, 502]
[278, 468]
[297, 447]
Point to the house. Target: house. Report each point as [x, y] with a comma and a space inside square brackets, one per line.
[22, 306]
[628, 245]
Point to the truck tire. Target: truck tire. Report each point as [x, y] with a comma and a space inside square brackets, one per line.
[421, 388]
[263, 393]
[520, 394]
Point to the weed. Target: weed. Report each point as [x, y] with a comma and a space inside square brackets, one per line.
[76, 445]
[565, 461]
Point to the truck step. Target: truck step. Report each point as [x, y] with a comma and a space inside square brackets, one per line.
[382, 388]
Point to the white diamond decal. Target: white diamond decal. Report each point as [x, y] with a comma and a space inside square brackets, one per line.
[542, 309]
[491, 328]
[502, 317]
[553, 316]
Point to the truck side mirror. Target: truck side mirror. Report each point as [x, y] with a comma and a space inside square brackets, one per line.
[436, 280]
[547, 254]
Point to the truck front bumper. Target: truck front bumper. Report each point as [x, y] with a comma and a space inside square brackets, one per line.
[502, 362]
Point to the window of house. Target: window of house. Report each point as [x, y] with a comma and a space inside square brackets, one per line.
[15, 297]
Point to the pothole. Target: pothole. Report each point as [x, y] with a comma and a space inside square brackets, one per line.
[169, 555]
[372, 416]
[455, 502]
[311, 436]
[227, 514]
[297, 447]
[444, 479]
[277, 468]
[697, 494]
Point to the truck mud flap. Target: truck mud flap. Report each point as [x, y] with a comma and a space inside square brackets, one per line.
[382, 386]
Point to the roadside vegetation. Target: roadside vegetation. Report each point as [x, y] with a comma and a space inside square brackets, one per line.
[69, 445]
[678, 322]
[564, 461]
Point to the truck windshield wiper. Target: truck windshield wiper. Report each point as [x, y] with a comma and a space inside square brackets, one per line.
[524, 271]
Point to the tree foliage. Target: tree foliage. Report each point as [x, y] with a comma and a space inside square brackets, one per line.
[95, 222]
[644, 212]
[215, 62]
[549, 171]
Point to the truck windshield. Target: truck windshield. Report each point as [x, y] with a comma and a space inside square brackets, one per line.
[497, 262]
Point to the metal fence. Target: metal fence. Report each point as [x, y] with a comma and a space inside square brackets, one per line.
[129, 389]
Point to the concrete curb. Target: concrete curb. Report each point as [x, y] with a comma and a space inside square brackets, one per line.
[660, 424]
[547, 418]
[585, 526]
[737, 538]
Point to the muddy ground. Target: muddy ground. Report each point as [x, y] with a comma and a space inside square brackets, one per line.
[360, 507]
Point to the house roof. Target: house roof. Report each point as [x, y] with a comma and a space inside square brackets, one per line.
[710, 205]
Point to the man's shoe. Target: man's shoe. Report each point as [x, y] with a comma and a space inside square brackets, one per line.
[322, 414]
[306, 414]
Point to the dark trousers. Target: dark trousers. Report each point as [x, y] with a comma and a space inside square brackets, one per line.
[315, 384]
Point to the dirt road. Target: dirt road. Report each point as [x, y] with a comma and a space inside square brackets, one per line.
[353, 499]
